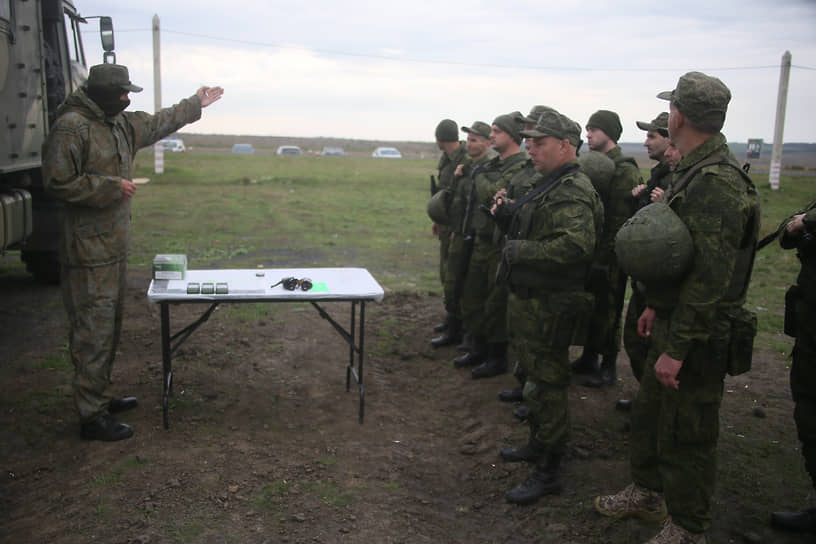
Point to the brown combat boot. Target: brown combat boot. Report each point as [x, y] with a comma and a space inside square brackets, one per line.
[635, 501]
[674, 534]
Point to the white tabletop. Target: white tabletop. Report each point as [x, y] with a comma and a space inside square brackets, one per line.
[249, 284]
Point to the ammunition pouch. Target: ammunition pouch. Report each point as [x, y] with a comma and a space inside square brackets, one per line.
[741, 343]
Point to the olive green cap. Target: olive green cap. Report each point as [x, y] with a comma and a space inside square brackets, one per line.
[535, 113]
[658, 124]
[557, 125]
[447, 131]
[479, 128]
[607, 121]
[111, 76]
[512, 124]
[699, 97]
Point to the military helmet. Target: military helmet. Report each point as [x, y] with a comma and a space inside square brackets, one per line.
[599, 169]
[654, 245]
[438, 207]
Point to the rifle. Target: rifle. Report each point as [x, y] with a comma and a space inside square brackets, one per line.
[775, 234]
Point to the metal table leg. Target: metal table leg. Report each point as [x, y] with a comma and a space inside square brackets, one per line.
[167, 365]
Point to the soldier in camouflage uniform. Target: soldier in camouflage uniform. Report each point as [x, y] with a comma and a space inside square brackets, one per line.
[484, 303]
[675, 418]
[657, 142]
[519, 184]
[477, 149]
[799, 231]
[450, 251]
[607, 281]
[87, 164]
[551, 239]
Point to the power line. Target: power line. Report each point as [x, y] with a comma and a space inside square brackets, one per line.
[332, 52]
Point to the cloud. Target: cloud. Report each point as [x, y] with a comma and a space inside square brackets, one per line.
[364, 70]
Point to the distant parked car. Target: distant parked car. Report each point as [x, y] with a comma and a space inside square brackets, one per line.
[292, 150]
[243, 149]
[387, 153]
[173, 145]
[330, 151]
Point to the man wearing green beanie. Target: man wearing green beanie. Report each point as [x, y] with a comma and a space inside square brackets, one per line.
[606, 281]
[453, 154]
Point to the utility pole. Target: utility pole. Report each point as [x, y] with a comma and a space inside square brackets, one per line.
[779, 129]
[158, 150]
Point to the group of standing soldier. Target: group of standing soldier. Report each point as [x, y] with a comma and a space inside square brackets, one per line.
[532, 261]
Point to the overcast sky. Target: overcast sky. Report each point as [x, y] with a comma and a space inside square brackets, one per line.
[392, 70]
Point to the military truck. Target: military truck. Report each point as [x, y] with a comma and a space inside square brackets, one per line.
[42, 61]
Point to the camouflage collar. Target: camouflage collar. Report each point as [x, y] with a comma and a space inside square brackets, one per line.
[715, 143]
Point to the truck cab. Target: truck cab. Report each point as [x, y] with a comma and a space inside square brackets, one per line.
[42, 61]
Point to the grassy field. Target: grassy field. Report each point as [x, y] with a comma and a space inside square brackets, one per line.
[270, 211]
[249, 211]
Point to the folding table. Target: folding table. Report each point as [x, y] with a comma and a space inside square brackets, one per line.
[214, 287]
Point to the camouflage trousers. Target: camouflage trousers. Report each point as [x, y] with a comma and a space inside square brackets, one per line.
[608, 285]
[803, 383]
[541, 329]
[94, 299]
[484, 304]
[454, 275]
[444, 243]
[674, 432]
[637, 347]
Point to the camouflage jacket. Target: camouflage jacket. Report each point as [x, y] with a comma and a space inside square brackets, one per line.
[552, 238]
[661, 176]
[617, 203]
[85, 158]
[495, 175]
[459, 196]
[522, 180]
[721, 210]
[447, 166]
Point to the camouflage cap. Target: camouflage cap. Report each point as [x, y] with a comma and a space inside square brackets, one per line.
[447, 131]
[608, 121]
[552, 123]
[512, 124]
[699, 97]
[479, 128]
[111, 75]
[535, 113]
[658, 124]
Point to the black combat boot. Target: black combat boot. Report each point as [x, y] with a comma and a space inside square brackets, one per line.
[606, 375]
[624, 405]
[512, 395]
[475, 356]
[522, 412]
[105, 428]
[451, 335]
[531, 452]
[442, 326]
[543, 481]
[587, 363]
[804, 522]
[496, 363]
[467, 343]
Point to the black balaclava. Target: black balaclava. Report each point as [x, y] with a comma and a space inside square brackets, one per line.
[109, 99]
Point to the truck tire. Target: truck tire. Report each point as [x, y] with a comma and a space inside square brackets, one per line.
[43, 265]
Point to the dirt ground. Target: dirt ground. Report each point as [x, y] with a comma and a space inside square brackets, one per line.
[264, 443]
